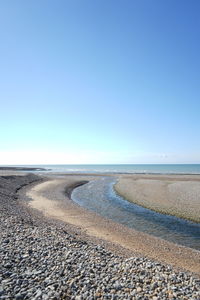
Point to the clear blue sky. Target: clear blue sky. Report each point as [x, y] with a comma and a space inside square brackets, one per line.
[99, 81]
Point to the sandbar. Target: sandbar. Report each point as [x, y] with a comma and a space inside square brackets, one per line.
[177, 195]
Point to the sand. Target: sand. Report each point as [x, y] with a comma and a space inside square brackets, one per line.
[173, 195]
[50, 197]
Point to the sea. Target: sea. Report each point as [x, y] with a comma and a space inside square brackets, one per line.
[122, 168]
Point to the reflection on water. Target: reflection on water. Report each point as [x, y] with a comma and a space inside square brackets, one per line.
[99, 196]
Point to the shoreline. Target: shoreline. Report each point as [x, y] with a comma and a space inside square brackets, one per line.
[46, 258]
[22, 169]
[54, 204]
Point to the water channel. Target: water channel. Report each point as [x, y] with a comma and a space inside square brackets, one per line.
[100, 197]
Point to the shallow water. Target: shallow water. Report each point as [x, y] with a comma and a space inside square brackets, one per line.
[99, 196]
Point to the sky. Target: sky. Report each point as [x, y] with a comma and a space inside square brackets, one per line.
[93, 81]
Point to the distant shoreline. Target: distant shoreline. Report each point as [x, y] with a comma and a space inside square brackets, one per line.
[22, 169]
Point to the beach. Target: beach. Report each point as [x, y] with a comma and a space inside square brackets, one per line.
[55, 249]
[177, 195]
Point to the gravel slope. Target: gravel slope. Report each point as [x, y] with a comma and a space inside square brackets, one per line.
[41, 259]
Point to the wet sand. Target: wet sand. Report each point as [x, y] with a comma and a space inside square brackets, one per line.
[52, 198]
[177, 195]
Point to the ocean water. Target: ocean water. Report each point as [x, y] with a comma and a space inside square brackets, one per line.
[124, 168]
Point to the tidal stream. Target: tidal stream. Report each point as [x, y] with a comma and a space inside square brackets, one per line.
[100, 197]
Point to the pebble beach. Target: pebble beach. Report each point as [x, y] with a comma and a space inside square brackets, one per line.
[43, 258]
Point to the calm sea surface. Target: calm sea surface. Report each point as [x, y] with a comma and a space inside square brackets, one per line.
[125, 168]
